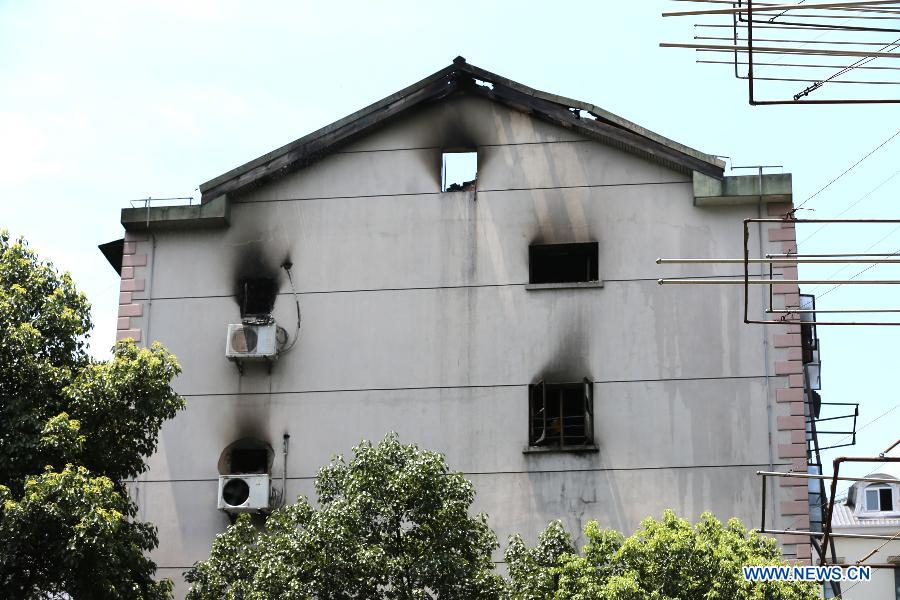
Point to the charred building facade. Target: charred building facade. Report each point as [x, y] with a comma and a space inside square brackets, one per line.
[471, 263]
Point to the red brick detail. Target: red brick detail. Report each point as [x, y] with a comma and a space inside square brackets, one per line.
[804, 552]
[792, 299]
[789, 247]
[779, 209]
[788, 367]
[125, 297]
[801, 493]
[128, 248]
[797, 409]
[794, 507]
[131, 236]
[127, 272]
[798, 436]
[792, 451]
[789, 395]
[134, 334]
[789, 273]
[795, 381]
[787, 340]
[792, 482]
[801, 521]
[793, 328]
[123, 323]
[788, 423]
[132, 285]
[782, 235]
[785, 288]
[134, 260]
[795, 354]
[131, 310]
[798, 465]
[789, 538]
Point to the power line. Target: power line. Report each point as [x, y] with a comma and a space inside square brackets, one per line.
[847, 266]
[853, 166]
[866, 195]
[872, 266]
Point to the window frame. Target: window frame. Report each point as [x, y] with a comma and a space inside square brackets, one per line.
[879, 488]
[592, 254]
[538, 405]
[462, 186]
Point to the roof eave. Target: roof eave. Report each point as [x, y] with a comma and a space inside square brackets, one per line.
[564, 112]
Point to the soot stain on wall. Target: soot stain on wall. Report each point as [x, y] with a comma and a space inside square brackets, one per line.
[568, 360]
[257, 277]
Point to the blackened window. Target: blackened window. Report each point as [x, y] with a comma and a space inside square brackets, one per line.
[256, 295]
[249, 460]
[563, 263]
[561, 414]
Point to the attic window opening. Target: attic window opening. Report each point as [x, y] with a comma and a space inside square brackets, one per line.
[486, 84]
[256, 296]
[459, 170]
[563, 263]
[879, 498]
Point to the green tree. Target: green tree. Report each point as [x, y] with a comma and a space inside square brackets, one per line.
[73, 430]
[392, 523]
[665, 559]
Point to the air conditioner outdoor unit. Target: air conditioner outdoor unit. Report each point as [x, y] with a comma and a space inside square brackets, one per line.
[244, 493]
[252, 342]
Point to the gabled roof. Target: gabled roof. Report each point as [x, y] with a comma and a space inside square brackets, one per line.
[587, 119]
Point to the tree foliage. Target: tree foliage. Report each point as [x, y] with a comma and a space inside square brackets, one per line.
[665, 559]
[73, 429]
[392, 523]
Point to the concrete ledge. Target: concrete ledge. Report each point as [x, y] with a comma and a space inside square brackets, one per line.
[212, 215]
[570, 449]
[564, 286]
[742, 189]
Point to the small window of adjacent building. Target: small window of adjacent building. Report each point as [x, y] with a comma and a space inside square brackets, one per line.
[563, 263]
[879, 498]
[459, 170]
[561, 414]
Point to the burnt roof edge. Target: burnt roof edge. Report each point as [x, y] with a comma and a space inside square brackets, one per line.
[603, 126]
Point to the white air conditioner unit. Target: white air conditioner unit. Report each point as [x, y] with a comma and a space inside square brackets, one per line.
[251, 342]
[244, 493]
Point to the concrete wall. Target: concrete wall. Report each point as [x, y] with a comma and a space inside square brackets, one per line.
[416, 319]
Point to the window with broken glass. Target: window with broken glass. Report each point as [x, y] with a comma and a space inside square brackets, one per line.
[561, 415]
[879, 498]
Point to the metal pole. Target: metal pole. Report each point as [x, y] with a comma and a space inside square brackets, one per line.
[773, 281]
[862, 536]
[776, 261]
[811, 476]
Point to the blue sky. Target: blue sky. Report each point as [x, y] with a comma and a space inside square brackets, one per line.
[103, 102]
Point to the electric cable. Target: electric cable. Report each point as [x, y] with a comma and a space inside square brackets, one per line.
[287, 268]
[847, 209]
[850, 168]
